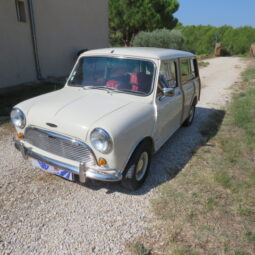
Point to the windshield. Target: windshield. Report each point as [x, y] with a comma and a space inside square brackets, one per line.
[115, 74]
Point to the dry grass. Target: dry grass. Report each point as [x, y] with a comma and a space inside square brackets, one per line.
[203, 64]
[138, 248]
[204, 56]
[209, 208]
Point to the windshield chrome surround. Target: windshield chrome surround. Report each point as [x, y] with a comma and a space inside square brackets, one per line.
[119, 57]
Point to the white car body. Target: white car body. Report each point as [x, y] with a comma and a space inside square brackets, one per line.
[128, 118]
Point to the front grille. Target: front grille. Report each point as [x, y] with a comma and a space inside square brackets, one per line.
[59, 145]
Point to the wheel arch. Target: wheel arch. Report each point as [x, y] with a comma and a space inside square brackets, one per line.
[148, 139]
[195, 100]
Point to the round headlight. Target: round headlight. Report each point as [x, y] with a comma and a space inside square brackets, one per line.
[101, 140]
[18, 118]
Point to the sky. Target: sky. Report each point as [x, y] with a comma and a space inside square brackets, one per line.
[235, 13]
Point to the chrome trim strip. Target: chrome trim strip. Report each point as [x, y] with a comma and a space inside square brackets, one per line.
[83, 171]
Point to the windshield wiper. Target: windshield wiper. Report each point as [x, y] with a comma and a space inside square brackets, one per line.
[93, 87]
[130, 91]
[108, 89]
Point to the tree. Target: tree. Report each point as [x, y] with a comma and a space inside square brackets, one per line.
[161, 38]
[128, 17]
[234, 41]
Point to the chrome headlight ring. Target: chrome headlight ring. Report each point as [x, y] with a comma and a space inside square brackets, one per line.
[101, 140]
[18, 118]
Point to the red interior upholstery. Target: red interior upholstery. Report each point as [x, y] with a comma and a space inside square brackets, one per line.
[112, 84]
[141, 82]
[137, 81]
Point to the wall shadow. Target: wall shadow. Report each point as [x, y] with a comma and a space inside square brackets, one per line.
[9, 97]
[175, 153]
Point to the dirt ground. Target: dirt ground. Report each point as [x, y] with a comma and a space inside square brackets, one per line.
[44, 214]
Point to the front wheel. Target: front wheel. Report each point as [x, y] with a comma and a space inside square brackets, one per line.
[138, 167]
[191, 116]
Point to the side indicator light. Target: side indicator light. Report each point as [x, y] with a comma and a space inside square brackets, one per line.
[102, 162]
[20, 136]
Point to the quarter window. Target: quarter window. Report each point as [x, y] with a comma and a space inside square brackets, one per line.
[172, 73]
[167, 74]
[185, 71]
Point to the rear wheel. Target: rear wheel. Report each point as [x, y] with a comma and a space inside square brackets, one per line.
[138, 167]
[191, 116]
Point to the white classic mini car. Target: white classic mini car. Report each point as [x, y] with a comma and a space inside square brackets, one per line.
[118, 107]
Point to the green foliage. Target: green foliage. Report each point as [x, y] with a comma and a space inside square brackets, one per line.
[201, 39]
[244, 107]
[241, 253]
[250, 236]
[128, 17]
[161, 38]
[139, 249]
[235, 41]
[223, 178]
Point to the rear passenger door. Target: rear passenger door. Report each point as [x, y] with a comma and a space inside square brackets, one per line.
[187, 74]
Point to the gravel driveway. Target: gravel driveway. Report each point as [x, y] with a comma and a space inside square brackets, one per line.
[44, 214]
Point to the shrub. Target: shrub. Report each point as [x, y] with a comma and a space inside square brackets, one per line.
[161, 38]
[201, 39]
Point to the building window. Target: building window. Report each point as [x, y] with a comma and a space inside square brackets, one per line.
[21, 11]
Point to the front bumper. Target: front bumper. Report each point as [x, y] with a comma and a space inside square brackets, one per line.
[84, 171]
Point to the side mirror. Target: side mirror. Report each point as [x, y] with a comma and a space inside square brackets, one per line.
[168, 92]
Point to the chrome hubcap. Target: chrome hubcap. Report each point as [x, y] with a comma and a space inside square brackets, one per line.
[142, 166]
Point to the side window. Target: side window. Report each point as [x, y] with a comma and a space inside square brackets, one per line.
[172, 74]
[185, 70]
[164, 71]
[167, 74]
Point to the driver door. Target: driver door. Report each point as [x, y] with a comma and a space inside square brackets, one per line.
[169, 108]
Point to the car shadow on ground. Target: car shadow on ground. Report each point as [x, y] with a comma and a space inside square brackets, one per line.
[174, 154]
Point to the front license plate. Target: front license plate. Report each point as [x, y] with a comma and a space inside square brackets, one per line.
[53, 170]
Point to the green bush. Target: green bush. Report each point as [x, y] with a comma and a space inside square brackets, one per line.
[161, 38]
[201, 39]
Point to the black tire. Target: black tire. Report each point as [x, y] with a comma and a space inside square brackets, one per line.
[191, 116]
[133, 178]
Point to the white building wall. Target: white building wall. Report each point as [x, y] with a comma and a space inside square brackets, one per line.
[63, 27]
[16, 49]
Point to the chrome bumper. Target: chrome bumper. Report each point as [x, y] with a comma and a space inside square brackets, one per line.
[83, 171]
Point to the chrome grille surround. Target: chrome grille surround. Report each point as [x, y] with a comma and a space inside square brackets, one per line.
[60, 145]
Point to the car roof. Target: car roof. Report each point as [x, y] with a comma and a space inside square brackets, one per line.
[142, 52]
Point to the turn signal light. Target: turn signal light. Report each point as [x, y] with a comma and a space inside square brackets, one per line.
[102, 162]
[20, 136]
